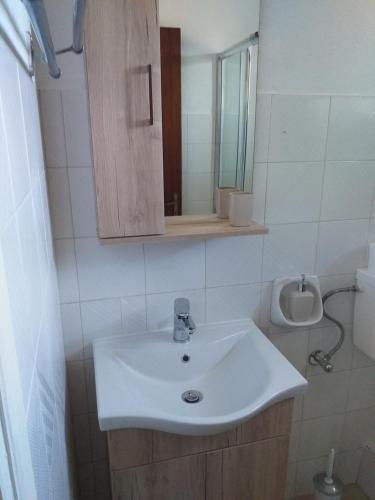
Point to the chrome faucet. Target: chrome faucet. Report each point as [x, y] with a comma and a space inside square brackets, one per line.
[184, 325]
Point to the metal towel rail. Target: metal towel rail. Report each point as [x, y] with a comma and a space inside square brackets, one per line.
[39, 21]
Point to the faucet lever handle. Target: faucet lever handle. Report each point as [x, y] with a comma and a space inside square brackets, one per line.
[191, 325]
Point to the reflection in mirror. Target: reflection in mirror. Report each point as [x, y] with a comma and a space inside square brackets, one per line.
[208, 76]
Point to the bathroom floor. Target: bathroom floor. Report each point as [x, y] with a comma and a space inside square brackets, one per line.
[351, 492]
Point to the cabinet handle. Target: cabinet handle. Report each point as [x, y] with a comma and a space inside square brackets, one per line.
[151, 99]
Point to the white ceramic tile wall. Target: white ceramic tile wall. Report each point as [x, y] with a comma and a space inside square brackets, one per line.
[198, 134]
[314, 180]
[30, 277]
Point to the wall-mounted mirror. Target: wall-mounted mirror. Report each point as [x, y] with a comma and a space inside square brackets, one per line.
[208, 74]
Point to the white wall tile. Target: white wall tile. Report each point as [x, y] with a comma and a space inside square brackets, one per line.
[293, 59]
[326, 394]
[342, 247]
[175, 266]
[100, 318]
[200, 128]
[362, 388]
[357, 427]
[348, 464]
[319, 435]
[289, 249]
[160, 308]
[53, 127]
[83, 200]
[262, 127]
[59, 196]
[293, 192]
[233, 302]
[293, 345]
[298, 128]
[72, 330]
[234, 261]
[365, 477]
[340, 306]
[77, 127]
[197, 84]
[351, 129]
[106, 271]
[360, 359]
[348, 190]
[197, 186]
[199, 158]
[133, 310]
[66, 270]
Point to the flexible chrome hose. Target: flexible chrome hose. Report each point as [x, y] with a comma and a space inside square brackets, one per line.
[339, 325]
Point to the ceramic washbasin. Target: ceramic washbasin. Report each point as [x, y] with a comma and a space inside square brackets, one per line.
[140, 379]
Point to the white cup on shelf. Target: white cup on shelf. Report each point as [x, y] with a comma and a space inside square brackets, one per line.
[222, 201]
[241, 208]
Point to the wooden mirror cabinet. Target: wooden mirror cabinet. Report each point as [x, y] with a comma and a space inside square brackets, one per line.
[122, 45]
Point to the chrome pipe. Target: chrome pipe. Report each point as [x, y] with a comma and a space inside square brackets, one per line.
[319, 357]
[39, 21]
[78, 20]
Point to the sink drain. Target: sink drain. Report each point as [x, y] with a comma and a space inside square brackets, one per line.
[192, 396]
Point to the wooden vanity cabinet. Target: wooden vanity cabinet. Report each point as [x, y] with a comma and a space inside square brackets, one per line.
[122, 45]
[246, 463]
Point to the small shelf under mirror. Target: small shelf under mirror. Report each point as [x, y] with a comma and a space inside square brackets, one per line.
[190, 227]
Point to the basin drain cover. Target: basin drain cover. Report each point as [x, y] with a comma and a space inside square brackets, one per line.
[192, 396]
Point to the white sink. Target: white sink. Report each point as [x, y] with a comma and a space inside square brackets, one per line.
[140, 379]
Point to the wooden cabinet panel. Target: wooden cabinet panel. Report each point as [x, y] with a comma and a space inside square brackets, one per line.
[179, 479]
[256, 471]
[274, 421]
[166, 446]
[129, 448]
[123, 68]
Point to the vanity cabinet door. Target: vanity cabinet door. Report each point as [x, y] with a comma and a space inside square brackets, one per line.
[179, 479]
[123, 70]
[255, 471]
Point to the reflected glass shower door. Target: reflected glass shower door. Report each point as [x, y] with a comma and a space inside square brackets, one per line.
[233, 97]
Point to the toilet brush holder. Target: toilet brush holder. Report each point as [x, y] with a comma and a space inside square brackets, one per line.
[327, 486]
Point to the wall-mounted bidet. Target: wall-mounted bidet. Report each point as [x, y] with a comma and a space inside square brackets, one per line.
[296, 301]
[183, 325]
